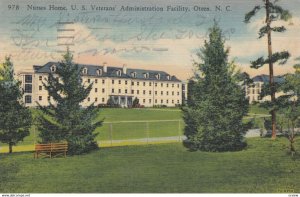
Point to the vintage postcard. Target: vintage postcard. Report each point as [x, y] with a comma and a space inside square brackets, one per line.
[149, 96]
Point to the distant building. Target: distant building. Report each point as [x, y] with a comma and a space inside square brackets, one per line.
[120, 84]
[253, 92]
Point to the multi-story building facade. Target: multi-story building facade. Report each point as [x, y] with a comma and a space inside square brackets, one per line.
[119, 84]
[253, 91]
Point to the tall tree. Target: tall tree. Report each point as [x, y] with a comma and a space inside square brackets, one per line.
[65, 119]
[217, 104]
[15, 118]
[273, 12]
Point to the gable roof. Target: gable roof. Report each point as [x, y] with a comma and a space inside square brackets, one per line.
[112, 72]
[265, 79]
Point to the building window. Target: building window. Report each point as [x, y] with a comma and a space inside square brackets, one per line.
[28, 99]
[103, 90]
[155, 100]
[155, 84]
[161, 93]
[48, 98]
[103, 81]
[88, 99]
[132, 83]
[119, 73]
[149, 92]
[84, 71]
[137, 83]
[172, 85]
[150, 83]
[144, 92]
[28, 78]
[133, 74]
[119, 91]
[177, 101]
[125, 91]
[144, 100]
[40, 98]
[103, 100]
[161, 84]
[144, 83]
[173, 101]
[137, 92]
[146, 75]
[167, 85]
[168, 77]
[113, 81]
[53, 68]
[99, 72]
[132, 91]
[125, 82]
[149, 100]
[167, 93]
[96, 89]
[96, 80]
[40, 88]
[172, 93]
[161, 101]
[167, 101]
[40, 78]
[89, 80]
[158, 76]
[96, 99]
[112, 90]
[28, 88]
[155, 92]
[177, 85]
[119, 81]
[177, 93]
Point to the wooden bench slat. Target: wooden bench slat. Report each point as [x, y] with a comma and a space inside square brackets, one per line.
[57, 148]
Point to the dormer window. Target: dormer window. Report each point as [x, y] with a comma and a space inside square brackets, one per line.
[146, 75]
[84, 71]
[99, 72]
[119, 72]
[133, 74]
[53, 68]
[168, 77]
[158, 76]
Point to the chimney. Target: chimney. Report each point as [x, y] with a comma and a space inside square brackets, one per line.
[124, 68]
[104, 67]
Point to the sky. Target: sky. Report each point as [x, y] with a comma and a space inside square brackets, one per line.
[35, 32]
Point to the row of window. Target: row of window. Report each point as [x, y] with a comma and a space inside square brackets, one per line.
[143, 101]
[138, 92]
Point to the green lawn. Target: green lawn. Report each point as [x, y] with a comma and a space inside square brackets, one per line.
[113, 129]
[263, 167]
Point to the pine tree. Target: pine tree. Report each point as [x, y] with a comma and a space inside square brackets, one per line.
[15, 118]
[273, 13]
[65, 119]
[217, 103]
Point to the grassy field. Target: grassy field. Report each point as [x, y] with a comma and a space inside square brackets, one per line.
[263, 167]
[117, 127]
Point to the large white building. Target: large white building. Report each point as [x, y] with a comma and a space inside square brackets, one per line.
[120, 84]
[253, 91]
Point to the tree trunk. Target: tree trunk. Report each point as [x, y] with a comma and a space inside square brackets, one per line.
[271, 79]
[10, 144]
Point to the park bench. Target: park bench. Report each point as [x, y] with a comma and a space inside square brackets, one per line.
[51, 150]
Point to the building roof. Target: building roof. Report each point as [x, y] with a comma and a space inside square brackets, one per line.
[265, 79]
[113, 72]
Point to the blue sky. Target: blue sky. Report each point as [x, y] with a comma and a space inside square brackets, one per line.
[141, 39]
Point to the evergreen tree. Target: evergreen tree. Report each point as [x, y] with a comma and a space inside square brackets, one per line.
[273, 12]
[65, 119]
[15, 118]
[289, 105]
[217, 102]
